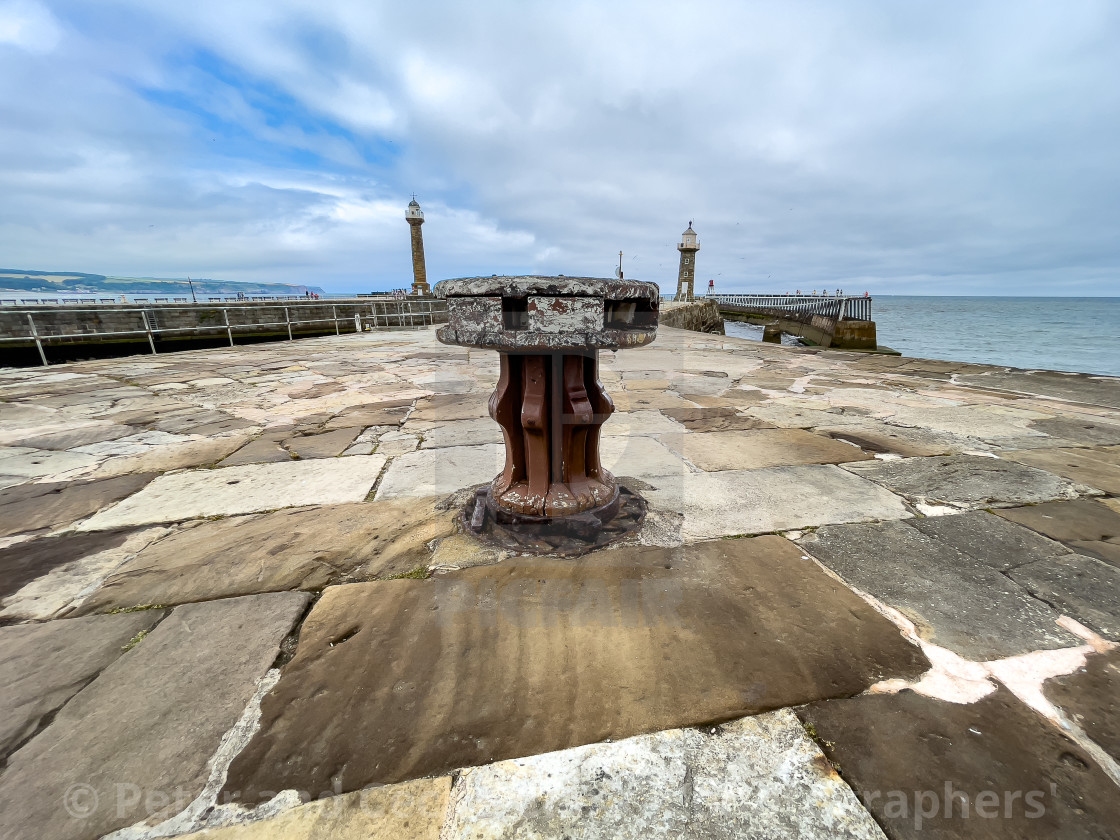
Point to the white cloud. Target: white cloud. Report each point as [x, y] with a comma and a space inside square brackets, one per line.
[894, 147]
[29, 26]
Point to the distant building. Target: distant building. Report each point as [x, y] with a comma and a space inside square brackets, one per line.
[415, 217]
[687, 274]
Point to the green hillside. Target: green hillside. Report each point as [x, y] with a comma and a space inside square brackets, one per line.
[77, 282]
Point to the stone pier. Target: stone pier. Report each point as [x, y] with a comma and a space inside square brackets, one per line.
[872, 597]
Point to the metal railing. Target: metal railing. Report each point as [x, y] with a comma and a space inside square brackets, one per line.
[101, 300]
[841, 308]
[382, 314]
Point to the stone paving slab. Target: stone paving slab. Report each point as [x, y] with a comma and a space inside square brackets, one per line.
[1078, 387]
[1087, 432]
[412, 810]
[877, 437]
[965, 481]
[149, 722]
[986, 537]
[435, 472]
[640, 457]
[23, 562]
[36, 507]
[775, 499]
[305, 548]
[444, 407]
[759, 777]
[641, 423]
[40, 462]
[81, 435]
[536, 655]
[325, 445]
[199, 452]
[228, 491]
[54, 573]
[1085, 525]
[1081, 587]
[956, 601]
[906, 755]
[748, 450]
[1091, 468]
[434, 435]
[385, 413]
[1089, 697]
[43, 665]
[259, 451]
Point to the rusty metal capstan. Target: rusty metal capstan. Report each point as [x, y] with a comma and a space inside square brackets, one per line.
[549, 401]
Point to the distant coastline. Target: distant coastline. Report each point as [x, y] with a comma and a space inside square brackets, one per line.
[30, 283]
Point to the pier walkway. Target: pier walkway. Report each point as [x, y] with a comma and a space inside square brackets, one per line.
[840, 308]
[873, 596]
[823, 320]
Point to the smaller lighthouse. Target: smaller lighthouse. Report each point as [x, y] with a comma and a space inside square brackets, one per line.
[415, 217]
[687, 274]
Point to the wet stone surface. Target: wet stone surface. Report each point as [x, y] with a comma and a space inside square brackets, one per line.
[660, 638]
[43, 665]
[906, 755]
[956, 600]
[1089, 697]
[151, 720]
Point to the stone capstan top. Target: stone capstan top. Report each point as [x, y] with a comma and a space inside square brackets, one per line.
[548, 313]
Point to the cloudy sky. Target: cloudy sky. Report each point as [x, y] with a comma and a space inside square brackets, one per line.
[898, 147]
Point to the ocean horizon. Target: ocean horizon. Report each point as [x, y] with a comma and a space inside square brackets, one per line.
[1075, 334]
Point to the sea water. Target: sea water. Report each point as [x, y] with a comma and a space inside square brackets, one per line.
[1076, 334]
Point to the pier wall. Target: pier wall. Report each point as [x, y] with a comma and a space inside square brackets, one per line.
[163, 326]
[698, 316]
[824, 330]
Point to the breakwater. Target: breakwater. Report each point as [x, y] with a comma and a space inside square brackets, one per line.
[700, 315]
[842, 322]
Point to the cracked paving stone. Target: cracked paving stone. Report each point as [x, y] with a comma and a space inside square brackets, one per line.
[993, 541]
[43, 665]
[387, 413]
[260, 451]
[451, 407]
[1086, 526]
[1089, 696]
[956, 601]
[1095, 467]
[965, 481]
[325, 445]
[306, 548]
[149, 723]
[1081, 587]
[907, 756]
[875, 437]
[557, 654]
[759, 777]
[714, 419]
